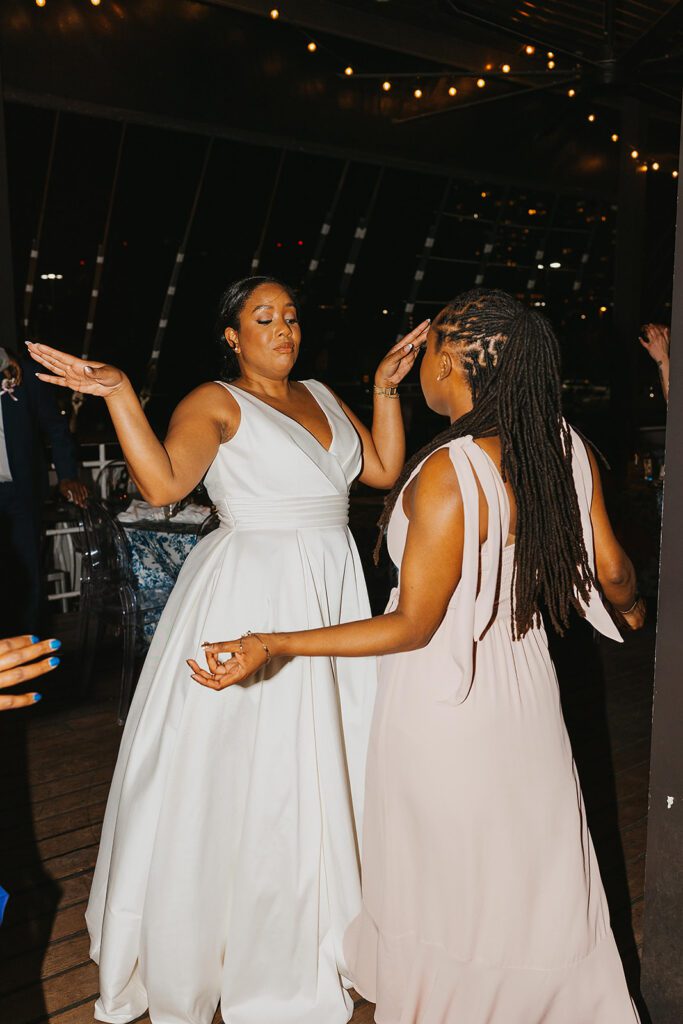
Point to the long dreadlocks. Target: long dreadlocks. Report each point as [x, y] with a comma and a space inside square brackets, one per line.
[511, 357]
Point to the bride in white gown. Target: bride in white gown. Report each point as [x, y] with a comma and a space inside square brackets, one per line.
[228, 867]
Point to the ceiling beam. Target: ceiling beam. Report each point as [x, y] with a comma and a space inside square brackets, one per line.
[385, 32]
[660, 32]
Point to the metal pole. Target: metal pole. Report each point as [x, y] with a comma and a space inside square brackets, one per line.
[358, 239]
[256, 260]
[152, 366]
[325, 229]
[35, 247]
[425, 256]
[77, 398]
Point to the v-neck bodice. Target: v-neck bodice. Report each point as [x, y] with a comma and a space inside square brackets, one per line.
[275, 464]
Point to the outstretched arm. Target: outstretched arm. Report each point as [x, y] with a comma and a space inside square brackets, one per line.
[163, 472]
[430, 572]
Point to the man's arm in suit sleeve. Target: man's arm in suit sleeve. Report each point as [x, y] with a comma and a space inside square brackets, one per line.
[54, 426]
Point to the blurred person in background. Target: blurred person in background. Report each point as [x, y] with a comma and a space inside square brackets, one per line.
[29, 417]
[656, 340]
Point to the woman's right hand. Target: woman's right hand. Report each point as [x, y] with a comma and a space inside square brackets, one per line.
[656, 341]
[78, 374]
[15, 655]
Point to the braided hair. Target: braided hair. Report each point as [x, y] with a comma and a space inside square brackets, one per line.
[511, 357]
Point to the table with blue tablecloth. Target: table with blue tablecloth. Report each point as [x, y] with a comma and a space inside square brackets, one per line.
[158, 549]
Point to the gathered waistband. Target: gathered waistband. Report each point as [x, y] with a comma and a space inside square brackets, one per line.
[316, 513]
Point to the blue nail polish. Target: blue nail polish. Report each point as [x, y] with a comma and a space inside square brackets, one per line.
[35, 639]
[55, 645]
[53, 662]
[37, 697]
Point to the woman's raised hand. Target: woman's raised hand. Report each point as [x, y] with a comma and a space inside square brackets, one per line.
[78, 374]
[248, 656]
[399, 360]
[656, 341]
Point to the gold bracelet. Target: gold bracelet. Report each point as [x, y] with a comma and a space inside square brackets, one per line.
[260, 639]
[629, 610]
[388, 392]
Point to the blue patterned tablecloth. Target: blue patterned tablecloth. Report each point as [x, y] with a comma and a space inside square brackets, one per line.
[157, 556]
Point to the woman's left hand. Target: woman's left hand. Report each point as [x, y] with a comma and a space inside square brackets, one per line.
[399, 360]
[248, 656]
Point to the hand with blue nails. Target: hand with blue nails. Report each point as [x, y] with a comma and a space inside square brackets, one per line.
[18, 664]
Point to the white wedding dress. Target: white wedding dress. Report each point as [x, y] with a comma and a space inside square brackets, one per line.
[228, 866]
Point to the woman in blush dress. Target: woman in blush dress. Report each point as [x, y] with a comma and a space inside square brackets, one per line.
[229, 867]
[482, 899]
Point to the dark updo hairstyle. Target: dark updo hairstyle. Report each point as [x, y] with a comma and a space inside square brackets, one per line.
[512, 361]
[232, 302]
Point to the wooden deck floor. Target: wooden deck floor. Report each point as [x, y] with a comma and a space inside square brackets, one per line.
[56, 763]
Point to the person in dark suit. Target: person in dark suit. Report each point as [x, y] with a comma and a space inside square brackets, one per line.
[29, 416]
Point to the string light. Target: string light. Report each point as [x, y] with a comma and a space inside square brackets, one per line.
[550, 54]
[571, 93]
[40, 3]
[418, 94]
[95, 3]
[488, 67]
[655, 166]
[551, 65]
[643, 168]
[615, 137]
[603, 309]
[634, 154]
[481, 82]
[386, 86]
[529, 50]
[452, 91]
[532, 212]
[591, 118]
[275, 14]
[506, 69]
[674, 174]
[348, 71]
[312, 47]
[484, 195]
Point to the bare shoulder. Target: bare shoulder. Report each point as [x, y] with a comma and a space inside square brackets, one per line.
[435, 489]
[212, 402]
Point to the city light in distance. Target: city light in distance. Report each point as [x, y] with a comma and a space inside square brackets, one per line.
[555, 265]
[52, 277]
[603, 309]
[532, 212]
[385, 312]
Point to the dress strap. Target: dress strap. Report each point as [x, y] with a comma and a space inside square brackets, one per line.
[474, 600]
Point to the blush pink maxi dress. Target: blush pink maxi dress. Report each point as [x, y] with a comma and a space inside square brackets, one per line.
[482, 898]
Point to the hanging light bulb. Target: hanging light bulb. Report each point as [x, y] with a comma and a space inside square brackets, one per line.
[643, 168]
[550, 54]
[615, 137]
[386, 86]
[418, 94]
[571, 93]
[551, 65]
[40, 3]
[655, 166]
[95, 3]
[529, 50]
[312, 47]
[481, 82]
[348, 70]
[634, 154]
[674, 174]
[452, 91]
[592, 118]
[506, 69]
[275, 14]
